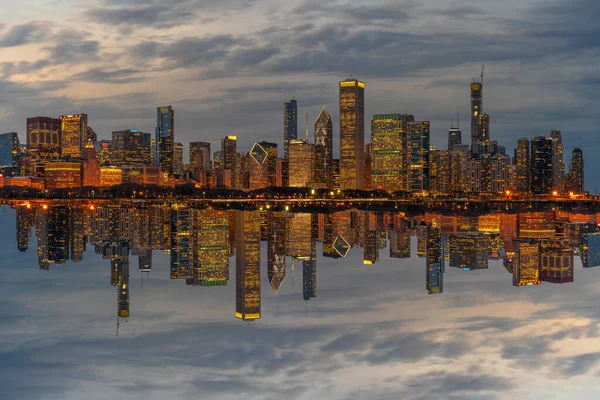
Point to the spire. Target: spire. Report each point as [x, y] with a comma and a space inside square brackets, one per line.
[293, 92]
[306, 127]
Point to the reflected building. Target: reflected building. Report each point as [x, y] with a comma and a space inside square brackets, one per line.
[434, 270]
[526, 268]
[25, 222]
[181, 243]
[276, 262]
[399, 239]
[77, 233]
[467, 251]
[247, 264]
[309, 265]
[210, 247]
[556, 260]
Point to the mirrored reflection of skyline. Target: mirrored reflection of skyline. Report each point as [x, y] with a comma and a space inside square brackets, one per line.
[534, 247]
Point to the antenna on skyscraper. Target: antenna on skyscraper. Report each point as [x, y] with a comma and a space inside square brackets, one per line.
[457, 122]
[306, 127]
[451, 123]
[293, 92]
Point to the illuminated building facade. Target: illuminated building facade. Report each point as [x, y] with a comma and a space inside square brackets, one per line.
[323, 148]
[131, 147]
[199, 156]
[440, 172]
[90, 166]
[418, 156]
[210, 247]
[111, 176]
[9, 153]
[590, 252]
[301, 163]
[454, 138]
[276, 228]
[290, 125]
[352, 134]
[541, 165]
[181, 243]
[247, 257]
[230, 165]
[575, 181]
[178, 165]
[389, 158]
[43, 138]
[558, 163]
[523, 166]
[434, 263]
[467, 251]
[165, 137]
[556, 260]
[73, 134]
[526, 269]
[309, 265]
[63, 174]
[479, 121]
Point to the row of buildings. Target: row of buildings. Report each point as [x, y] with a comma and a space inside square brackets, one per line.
[65, 152]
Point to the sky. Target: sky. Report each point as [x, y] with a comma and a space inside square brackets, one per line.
[227, 66]
[371, 332]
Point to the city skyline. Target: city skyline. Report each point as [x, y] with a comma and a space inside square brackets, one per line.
[518, 96]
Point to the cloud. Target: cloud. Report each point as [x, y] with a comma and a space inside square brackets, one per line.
[22, 34]
[97, 75]
[71, 47]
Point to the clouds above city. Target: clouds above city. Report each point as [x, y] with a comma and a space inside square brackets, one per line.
[217, 63]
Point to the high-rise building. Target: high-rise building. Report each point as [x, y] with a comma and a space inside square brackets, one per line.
[210, 247]
[9, 153]
[63, 174]
[165, 138]
[178, 165]
[467, 251]
[454, 137]
[440, 172]
[73, 134]
[323, 148]
[290, 125]
[523, 166]
[229, 162]
[301, 163]
[352, 134]
[526, 270]
[418, 156]
[558, 163]
[390, 145]
[479, 121]
[556, 260]
[434, 263]
[43, 138]
[575, 176]
[309, 265]
[181, 243]
[200, 156]
[90, 165]
[541, 165]
[590, 249]
[131, 147]
[247, 266]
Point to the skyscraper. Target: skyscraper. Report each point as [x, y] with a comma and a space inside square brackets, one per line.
[43, 138]
[323, 148]
[247, 266]
[178, 165]
[556, 260]
[418, 156]
[73, 134]
[527, 266]
[454, 137]
[181, 243]
[9, 153]
[301, 163]
[229, 162]
[523, 166]
[576, 172]
[352, 134]
[290, 125]
[165, 137]
[389, 160]
[476, 116]
[541, 165]
[131, 147]
[558, 163]
[199, 156]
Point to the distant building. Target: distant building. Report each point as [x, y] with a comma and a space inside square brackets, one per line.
[418, 156]
[165, 138]
[43, 139]
[526, 269]
[91, 166]
[290, 125]
[323, 148]
[558, 163]
[131, 147]
[111, 176]
[556, 260]
[301, 163]
[181, 243]
[541, 165]
[523, 166]
[9, 153]
[199, 157]
[247, 264]
[178, 165]
[575, 182]
[73, 134]
[63, 174]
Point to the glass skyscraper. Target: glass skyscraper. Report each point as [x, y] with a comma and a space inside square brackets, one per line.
[323, 148]
[352, 134]
[9, 153]
[165, 137]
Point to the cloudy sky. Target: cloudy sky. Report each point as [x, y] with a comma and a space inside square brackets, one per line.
[372, 332]
[228, 65]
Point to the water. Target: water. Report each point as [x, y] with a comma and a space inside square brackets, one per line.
[360, 326]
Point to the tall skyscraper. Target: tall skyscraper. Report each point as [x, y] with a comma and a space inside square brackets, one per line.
[9, 153]
[323, 148]
[454, 136]
[541, 165]
[229, 163]
[556, 260]
[418, 156]
[181, 243]
[390, 144]
[178, 165]
[352, 134]
[247, 266]
[290, 125]
[131, 147]
[91, 166]
[558, 162]
[210, 247]
[527, 266]
[523, 166]
[301, 163]
[73, 134]
[576, 172]
[200, 156]
[43, 138]
[479, 121]
[165, 137]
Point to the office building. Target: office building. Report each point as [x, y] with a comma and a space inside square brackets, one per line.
[247, 264]
[454, 137]
[181, 243]
[523, 166]
[10, 150]
[556, 260]
[178, 165]
[526, 267]
[229, 161]
[389, 158]
[418, 156]
[131, 147]
[541, 165]
[352, 134]
[43, 139]
[301, 163]
[323, 149]
[290, 125]
[199, 157]
[73, 135]
[576, 172]
[558, 163]
[165, 138]
[63, 174]
[210, 247]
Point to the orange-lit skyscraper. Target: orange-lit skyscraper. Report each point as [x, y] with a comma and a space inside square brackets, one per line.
[43, 138]
[527, 266]
[73, 134]
[556, 260]
[323, 149]
[352, 134]
[247, 266]
[301, 163]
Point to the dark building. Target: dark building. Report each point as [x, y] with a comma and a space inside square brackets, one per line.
[309, 265]
[9, 153]
[480, 122]
[556, 260]
[454, 137]
[181, 243]
[575, 182]
[523, 166]
[43, 138]
[418, 155]
[434, 263]
[165, 138]
[323, 149]
[199, 156]
[352, 134]
[131, 147]
[290, 125]
[541, 165]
